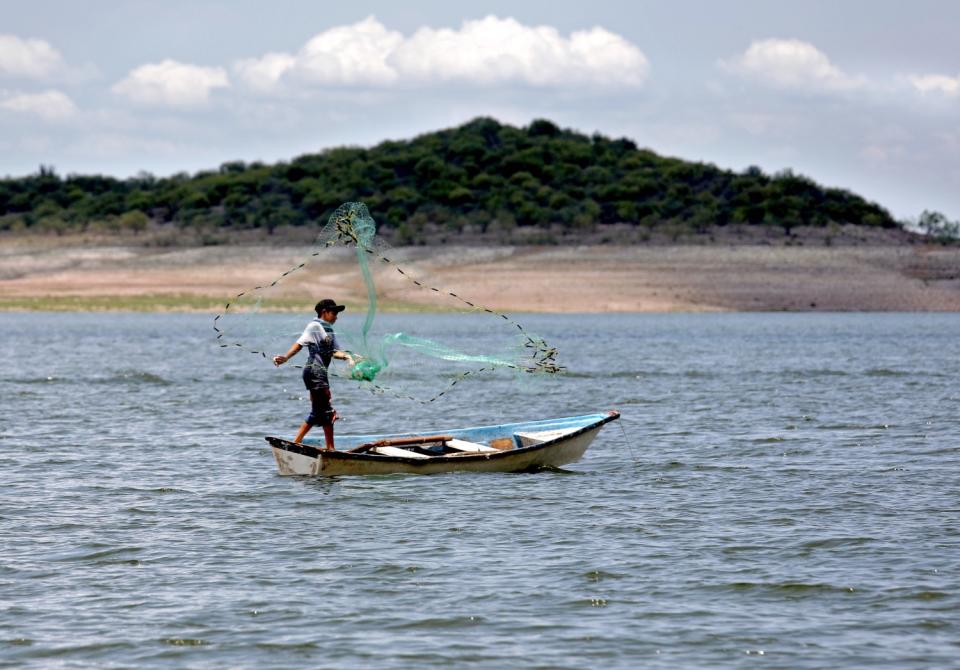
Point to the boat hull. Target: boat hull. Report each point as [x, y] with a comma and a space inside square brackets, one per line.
[566, 447]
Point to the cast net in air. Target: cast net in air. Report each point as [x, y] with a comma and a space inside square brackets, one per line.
[413, 363]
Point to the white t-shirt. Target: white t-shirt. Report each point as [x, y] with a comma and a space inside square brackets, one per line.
[320, 340]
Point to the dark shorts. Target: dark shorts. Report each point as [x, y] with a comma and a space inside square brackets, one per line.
[321, 412]
[315, 378]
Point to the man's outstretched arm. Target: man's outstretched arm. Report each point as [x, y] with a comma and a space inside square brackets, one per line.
[294, 348]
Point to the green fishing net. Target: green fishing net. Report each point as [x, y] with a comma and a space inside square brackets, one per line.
[348, 258]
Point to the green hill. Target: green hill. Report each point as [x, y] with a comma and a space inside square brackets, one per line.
[478, 177]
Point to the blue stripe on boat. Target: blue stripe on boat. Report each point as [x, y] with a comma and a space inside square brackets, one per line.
[482, 434]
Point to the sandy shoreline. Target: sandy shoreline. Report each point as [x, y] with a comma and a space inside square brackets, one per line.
[518, 279]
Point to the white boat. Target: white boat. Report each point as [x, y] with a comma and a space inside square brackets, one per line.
[508, 447]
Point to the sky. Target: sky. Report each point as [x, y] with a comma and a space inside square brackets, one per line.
[862, 95]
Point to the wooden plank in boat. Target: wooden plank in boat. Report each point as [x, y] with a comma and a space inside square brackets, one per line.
[531, 438]
[396, 451]
[471, 447]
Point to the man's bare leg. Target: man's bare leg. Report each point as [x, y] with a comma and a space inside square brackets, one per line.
[304, 429]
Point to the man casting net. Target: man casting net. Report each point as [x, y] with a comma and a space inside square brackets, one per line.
[349, 258]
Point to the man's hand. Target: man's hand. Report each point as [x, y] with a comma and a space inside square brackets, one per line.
[294, 348]
[346, 356]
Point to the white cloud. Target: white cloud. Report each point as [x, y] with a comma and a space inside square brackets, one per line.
[485, 51]
[172, 83]
[494, 50]
[354, 54]
[791, 64]
[29, 58]
[49, 105]
[263, 74]
[936, 83]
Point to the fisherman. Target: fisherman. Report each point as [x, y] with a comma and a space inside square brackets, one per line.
[322, 346]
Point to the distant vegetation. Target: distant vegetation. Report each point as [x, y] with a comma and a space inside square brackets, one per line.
[937, 226]
[480, 178]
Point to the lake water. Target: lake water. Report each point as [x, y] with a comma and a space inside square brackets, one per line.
[784, 493]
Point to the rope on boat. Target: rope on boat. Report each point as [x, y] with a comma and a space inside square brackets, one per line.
[626, 441]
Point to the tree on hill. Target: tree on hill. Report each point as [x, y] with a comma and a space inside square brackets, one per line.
[938, 226]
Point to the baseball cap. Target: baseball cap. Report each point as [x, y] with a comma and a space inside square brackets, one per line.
[329, 304]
